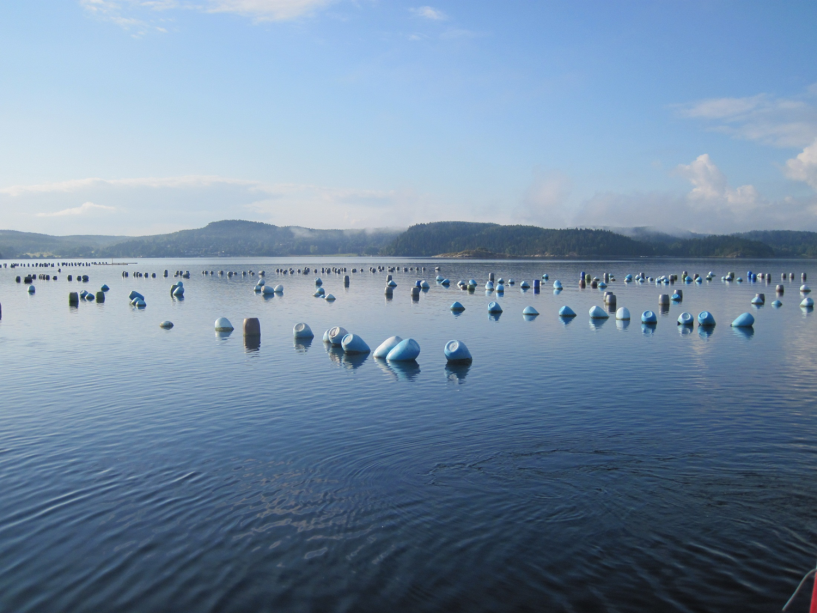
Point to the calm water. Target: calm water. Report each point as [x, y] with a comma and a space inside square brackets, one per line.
[572, 467]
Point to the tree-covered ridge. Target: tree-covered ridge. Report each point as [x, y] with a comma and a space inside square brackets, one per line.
[786, 243]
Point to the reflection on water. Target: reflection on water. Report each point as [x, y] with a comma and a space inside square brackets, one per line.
[622, 324]
[706, 331]
[457, 372]
[354, 360]
[223, 335]
[399, 371]
[252, 343]
[596, 323]
[648, 329]
[494, 316]
[302, 345]
[663, 309]
[527, 317]
[743, 332]
[684, 330]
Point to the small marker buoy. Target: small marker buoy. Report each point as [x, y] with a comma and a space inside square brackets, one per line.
[494, 308]
[31, 289]
[352, 343]
[705, 319]
[685, 319]
[596, 312]
[805, 289]
[104, 288]
[391, 283]
[223, 325]
[166, 325]
[457, 306]
[302, 330]
[623, 314]
[807, 303]
[566, 311]
[529, 310]
[335, 335]
[330, 298]
[557, 284]
[648, 317]
[456, 351]
[524, 285]
[757, 300]
[744, 321]
[405, 351]
[386, 346]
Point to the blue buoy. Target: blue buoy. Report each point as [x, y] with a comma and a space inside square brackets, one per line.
[685, 319]
[597, 312]
[623, 314]
[566, 311]
[352, 343]
[445, 282]
[456, 351]
[807, 303]
[545, 277]
[318, 282]
[166, 325]
[457, 306]
[648, 317]
[424, 284]
[557, 284]
[330, 298]
[500, 289]
[104, 288]
[405, 351]
[335, 335]
[494, 308]
[529, 310]
[302, 331]
[279, 289]
[489, 286]
[386, 346]
[391, 283]
[134, 294]
[705, 319]
[777, 304]
[267, 290]
[178, 292]
[744, 321]
[676, 297]
[524, 285]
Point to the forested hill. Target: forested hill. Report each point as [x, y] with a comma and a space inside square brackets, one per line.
[786, 243]
[250, 238]
[518, 241]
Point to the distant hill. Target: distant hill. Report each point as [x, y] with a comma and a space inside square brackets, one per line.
[250, 238]
[786, 243]
[458, 236]
[29, 244]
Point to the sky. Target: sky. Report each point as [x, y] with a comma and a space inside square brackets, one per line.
[135, 117]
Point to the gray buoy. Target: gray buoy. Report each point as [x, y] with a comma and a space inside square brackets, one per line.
[252, 327]
[73, 298]
[223, 325]
[166, 325]
[663, 299]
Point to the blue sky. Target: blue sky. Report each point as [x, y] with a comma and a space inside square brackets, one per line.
[136, 116]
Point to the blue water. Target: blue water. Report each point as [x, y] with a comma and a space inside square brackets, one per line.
[571, 467]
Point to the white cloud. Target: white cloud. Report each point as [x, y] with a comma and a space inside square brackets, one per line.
[804, 166]
[711, 188]
[781, 122]
[83, 209]
[428, 12]
[272, 10]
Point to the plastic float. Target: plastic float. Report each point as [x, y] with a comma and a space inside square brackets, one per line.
[319, 293]
[511, 281]
[386, 346]
[73, 299]
[405, 351]
[566, 311]
[445, 282]
[545, 277]
[597, 312]
[489, 286]
[261, 283]
[805, 289]
[89, 297]
[744, 321]
[529, 310]
[330, 298]
[31, 289]
[318, 282]
[557, 284]
[663, 299]
[524, 285]
[424, 284]
[352, 343]
[457, 306]
[685, 319]
[139, 303]
[456, 351]
[100, 296]
[252, 327]
[705, 319]
[439, 278]
[223, 325]
[500, 288]
[807, 303]
[494, 308]
[335, 335]
[302, 330]
[268, 291]
[758, 300]
[472, 283]
[166, 325]
[777, 304]
[132, 295]
[602, 285]
[676, 297]
[623, 314]
[104, 288]
[648, 317]
[628, 278]
[500, 281]
[279, 289]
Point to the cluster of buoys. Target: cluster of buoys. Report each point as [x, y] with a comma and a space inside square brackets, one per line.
[177, 290]
[137, 300]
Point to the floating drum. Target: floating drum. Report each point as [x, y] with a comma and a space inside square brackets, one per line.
[166, 325]
[705, 319]
[386, 346]
[252, 327]
[100, 296]
[302, 331]
[597, 312]
[457, 307]
[456, 351]
[685, 319]
[139, 303]
[335, 335]
[415, 292]
[500, 289]
[566, 311]
[557, 284]
[352, 343]
[73, 299]
[223, 325]
[807, 303]
[489, 286]
[529, 310]
[744, 321]
[663, 299]
[405, 351]
[623, 314]
[648, 317]
[494, 308]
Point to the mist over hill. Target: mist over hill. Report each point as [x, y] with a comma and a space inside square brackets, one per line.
[451, 238]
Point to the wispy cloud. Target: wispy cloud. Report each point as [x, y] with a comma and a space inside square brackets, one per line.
[83, 209]
[777, 121]
[431, 13]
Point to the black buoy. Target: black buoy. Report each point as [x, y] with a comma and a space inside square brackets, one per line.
[73, 299]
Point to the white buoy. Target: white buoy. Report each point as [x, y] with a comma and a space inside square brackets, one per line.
[623, 314]
[352, 343]
[279, 289]
[336, 334]
[405, 351]
[223, 325]
[597, 312]
[302, 330]
[807, 303]
[386, 346]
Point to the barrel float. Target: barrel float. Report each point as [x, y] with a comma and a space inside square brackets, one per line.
[386, 346]
[301, 330]
[223, 325]
[336, 334]
[318, 282]
[352, 343]
[596, 312]
[685, 319]
[500, 288]
[663, 299]
[405, 351]
[415, 292]
[139, 303]
[252, 327]
[100, 296]
[494, 307]
[648, 317]
[744, 321]
[456, 351]
[623, 314]
[529, 310]
[457, 306]
[73, 298]
[566, 311]
[807, 303]
[166, 325]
